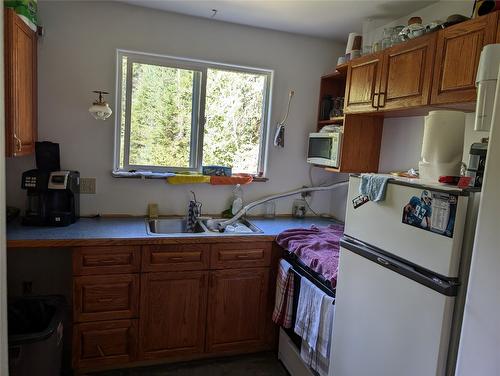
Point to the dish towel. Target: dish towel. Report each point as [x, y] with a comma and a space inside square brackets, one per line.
[307, 322]
[373, 186]
[283, 305]
[320, 359]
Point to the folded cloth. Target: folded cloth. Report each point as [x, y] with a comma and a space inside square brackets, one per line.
[309, 312]
[317, 247]
[283, 305]
[373, 186]
[320, 359]
[188, 179]
[231, 180]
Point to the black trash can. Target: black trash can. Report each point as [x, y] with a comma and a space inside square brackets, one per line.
[35, 335]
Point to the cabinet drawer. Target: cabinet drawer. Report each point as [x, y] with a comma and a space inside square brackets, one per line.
[237, 255]
[105, 297]
[104, 343]
[106, 260]
[175, 257]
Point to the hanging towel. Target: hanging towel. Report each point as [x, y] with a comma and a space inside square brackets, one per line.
[320, 359]
[283, 305]
[373, 186]
[188, 179]
[309, 312]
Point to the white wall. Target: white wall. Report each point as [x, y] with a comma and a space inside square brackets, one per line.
[402, 142]
[77, 55]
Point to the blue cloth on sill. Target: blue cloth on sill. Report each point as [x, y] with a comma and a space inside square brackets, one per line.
[374, 186]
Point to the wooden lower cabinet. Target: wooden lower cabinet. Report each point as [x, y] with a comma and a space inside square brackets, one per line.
[173, 314]
[237, 310]
[222, 307]
[104, 343]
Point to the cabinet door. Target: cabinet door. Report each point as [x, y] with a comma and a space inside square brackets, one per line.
[237, 310]
[363, 81]
[20, 86]
[457, 58]
[173, 314]
[407, 74]
[104, 343]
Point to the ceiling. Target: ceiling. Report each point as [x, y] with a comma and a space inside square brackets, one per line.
[332, 19]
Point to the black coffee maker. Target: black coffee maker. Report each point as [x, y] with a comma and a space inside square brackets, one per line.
[53, 196]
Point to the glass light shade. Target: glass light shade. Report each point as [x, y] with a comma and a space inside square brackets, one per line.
[101, 111]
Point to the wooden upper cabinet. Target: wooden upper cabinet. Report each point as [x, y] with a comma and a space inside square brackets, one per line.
[237, 311]
[363, 80]
[173, 314]
[407, 74]
[20, 86]
[457, 58]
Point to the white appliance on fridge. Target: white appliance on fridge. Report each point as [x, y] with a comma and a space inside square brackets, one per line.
[403, 262]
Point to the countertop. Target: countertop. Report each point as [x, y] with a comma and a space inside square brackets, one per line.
[130, 231]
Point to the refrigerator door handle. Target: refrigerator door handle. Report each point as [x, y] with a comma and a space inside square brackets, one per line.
[443, 286]
[382, 261]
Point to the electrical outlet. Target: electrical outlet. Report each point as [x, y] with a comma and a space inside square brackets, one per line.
[87, 186]
[305, 194]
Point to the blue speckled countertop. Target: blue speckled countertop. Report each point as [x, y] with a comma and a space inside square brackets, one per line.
[97, 231]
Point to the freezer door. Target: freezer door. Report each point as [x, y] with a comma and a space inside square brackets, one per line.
[387, 324]
[381, 224]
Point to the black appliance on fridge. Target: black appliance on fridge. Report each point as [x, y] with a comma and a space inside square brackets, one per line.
[53, 196]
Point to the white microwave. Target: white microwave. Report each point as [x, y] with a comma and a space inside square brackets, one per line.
[325, 148]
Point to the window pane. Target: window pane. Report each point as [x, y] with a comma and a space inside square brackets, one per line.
[160, 125]
[234, 110]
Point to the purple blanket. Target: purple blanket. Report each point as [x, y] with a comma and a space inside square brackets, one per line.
[317, 247]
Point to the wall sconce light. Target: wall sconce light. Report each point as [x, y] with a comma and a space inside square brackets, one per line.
[100, 108]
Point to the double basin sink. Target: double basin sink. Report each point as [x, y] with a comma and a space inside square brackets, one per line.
[179, 226]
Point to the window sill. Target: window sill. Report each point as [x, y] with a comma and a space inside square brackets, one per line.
[162, 175]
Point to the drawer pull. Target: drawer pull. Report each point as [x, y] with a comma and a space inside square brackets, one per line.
[107, 261]
[105, 300]
[177, 258]
[100, 351]
[242, 256]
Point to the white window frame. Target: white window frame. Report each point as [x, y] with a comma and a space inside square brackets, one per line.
[198, 116]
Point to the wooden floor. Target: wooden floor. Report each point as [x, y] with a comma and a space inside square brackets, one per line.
[262, 364]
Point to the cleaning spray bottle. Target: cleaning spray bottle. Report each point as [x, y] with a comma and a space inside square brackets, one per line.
[237, 199]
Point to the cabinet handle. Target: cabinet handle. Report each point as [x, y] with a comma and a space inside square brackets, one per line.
[373, 100]
[105, 300]
[242, 256]
[19, 145]
[177, 258]
[100, 351]
[381, 95]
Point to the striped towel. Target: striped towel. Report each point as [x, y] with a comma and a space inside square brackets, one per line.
[283, 305]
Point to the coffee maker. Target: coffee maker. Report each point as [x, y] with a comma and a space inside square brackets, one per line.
[53, 196]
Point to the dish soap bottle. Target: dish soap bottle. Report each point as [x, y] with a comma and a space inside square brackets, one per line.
[237, 199]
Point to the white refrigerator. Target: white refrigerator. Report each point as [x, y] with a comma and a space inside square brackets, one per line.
[479, 352]
[403, 264]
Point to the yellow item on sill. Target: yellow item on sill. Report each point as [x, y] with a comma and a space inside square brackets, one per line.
[188, 179]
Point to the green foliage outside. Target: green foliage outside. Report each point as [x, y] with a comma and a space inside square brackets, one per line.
[160, 127]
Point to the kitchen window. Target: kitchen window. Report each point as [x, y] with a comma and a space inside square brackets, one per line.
[177, 114]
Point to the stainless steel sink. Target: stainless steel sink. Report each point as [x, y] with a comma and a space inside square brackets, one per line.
[170, 226]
